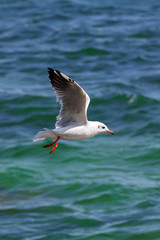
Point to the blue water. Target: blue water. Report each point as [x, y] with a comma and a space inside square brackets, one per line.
[103, 188]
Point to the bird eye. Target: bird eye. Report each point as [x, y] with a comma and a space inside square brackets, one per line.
[103, 127]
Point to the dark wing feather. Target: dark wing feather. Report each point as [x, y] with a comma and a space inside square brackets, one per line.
[74, 100]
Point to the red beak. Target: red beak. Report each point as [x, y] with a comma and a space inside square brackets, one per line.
[110, 132]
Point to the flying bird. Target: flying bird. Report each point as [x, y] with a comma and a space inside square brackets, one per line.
[72, 122]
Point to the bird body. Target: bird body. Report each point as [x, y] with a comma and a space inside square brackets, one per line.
[72, 122]
[71, 132]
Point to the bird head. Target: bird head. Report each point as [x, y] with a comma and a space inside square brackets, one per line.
[103, 128]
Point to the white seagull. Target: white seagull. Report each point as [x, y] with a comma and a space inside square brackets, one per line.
[72, 122]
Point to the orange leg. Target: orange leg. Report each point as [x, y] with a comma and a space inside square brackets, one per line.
[49, 145]
[54, 148]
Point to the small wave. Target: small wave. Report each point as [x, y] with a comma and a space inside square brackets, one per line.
[144, 34]
[43, 210]
[100, 199]
[150, 127]
[90, 51]
[140, 100]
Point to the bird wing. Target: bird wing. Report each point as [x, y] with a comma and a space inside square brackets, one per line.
[73, 99]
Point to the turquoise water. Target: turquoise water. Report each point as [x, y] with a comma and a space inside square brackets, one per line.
[103, 188]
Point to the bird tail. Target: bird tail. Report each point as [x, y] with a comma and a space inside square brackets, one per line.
[47, 133]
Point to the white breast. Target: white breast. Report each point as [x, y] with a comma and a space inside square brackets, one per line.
[76, 133]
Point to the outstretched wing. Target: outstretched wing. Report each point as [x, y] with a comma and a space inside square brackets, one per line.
[73, 99]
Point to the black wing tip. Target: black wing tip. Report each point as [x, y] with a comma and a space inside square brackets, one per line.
[56, 79]
[57, 74]
[52, 70]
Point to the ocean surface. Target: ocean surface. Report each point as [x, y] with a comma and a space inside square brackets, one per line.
[103, 188]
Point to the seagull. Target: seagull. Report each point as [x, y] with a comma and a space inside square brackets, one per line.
[72, 122]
